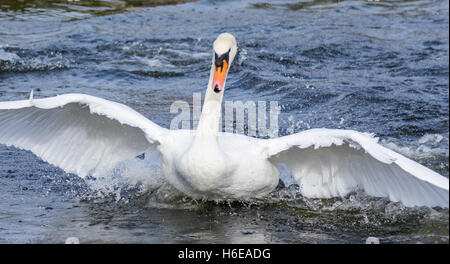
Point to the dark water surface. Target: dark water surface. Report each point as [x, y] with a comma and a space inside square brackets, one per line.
[372, 66]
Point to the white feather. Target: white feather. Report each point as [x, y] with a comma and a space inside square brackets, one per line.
[79, 133]
[329, 163]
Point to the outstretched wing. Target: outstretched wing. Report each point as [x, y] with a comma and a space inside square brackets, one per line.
[329, 163]
[79, 133]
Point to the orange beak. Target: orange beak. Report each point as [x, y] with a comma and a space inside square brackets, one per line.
[220, 74]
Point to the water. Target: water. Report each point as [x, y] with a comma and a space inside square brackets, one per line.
[372, 66]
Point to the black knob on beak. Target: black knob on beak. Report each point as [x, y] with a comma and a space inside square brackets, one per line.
[216, 88]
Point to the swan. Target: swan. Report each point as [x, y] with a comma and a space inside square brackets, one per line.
[87, 135]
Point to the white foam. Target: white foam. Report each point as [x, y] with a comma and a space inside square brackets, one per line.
[428, 146]
[146, 171]
[154, 63]
[242, 56]
[143, 175]
[8, 56]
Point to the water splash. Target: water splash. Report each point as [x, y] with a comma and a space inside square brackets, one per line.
[432, 150]
[31, 61]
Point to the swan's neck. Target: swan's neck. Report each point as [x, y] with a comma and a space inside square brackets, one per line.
[209, 122]
[208, 125]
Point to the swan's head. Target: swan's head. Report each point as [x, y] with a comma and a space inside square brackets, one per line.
[225, 50]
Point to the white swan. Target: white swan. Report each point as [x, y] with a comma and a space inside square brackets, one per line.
[85, 135]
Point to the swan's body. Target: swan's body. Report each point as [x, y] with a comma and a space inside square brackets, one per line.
[218, 173]
[87, 135]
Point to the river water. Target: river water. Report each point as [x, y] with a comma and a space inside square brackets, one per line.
[371, 66]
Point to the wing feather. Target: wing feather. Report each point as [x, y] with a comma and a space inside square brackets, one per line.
[329, 163]
[79, 133]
